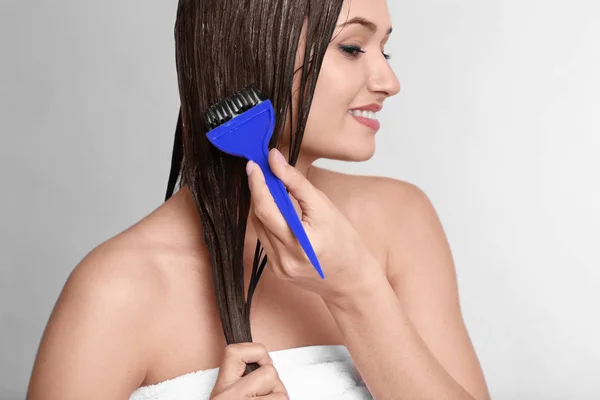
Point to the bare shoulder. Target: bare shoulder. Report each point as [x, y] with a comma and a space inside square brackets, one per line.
[99, 337]
[378, 189]
[369, 196]
[378, 206]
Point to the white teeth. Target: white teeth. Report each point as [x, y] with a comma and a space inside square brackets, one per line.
[363, 114]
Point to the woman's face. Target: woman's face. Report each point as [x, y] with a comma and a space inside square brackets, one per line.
[355, 74]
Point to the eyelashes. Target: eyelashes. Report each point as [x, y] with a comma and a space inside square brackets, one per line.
[353, 51]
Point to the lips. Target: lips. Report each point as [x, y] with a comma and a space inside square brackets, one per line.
[371, 123]
[369, 107]
[362, 116]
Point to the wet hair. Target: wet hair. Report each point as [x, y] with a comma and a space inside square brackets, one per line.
[222, 46]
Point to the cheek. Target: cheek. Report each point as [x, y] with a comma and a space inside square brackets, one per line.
[337, 83]
[334, 93]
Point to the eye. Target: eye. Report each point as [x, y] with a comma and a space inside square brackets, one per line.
[354, 50]
[351, 50]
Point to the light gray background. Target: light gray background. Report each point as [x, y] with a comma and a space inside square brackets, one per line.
[498, 121]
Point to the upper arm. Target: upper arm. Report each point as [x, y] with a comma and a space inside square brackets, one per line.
[421, 271]
[94, 345]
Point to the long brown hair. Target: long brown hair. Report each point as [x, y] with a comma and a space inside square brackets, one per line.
[222, 46]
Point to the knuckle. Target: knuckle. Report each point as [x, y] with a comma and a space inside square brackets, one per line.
[255, 218]
[261, 211]
[270, 372]
[232, 350]
[261, 346]
[289, 269]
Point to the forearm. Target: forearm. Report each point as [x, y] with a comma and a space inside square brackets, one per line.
[391, 357]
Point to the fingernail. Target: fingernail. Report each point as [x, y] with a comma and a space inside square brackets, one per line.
[280, 158]
[249, 167]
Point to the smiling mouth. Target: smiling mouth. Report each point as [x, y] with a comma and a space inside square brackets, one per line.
[363, 114]
[364, 117]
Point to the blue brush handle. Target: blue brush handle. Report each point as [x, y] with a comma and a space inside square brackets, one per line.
[284, 202]
[247, 135]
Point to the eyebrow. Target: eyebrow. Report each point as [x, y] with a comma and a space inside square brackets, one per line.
[364, 22]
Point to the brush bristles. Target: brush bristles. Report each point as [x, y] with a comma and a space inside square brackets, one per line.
[236, 104]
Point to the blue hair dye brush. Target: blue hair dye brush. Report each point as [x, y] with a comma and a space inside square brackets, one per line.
[242, 125]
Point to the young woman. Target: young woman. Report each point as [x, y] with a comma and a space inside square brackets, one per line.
[160, 310]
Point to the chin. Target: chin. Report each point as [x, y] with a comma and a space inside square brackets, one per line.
[356, 151]
[360, 147]
[363, 154]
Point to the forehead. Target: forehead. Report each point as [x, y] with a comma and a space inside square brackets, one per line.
[373, 10]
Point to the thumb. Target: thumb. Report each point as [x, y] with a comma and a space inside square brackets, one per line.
[297, 184]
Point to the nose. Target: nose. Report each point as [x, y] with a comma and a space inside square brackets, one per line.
[382, 78]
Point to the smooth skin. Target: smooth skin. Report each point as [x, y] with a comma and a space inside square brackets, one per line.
[140, 308]
[394, 362]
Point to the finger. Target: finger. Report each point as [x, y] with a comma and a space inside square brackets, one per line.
[269, 242]
[273, 396]
[260, 382]
[297, 184]
[265, 208]
[235, 358]
[266, 240]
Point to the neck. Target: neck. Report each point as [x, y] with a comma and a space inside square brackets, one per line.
[303, 163]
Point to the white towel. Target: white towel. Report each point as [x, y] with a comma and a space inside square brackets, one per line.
[322, 372]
